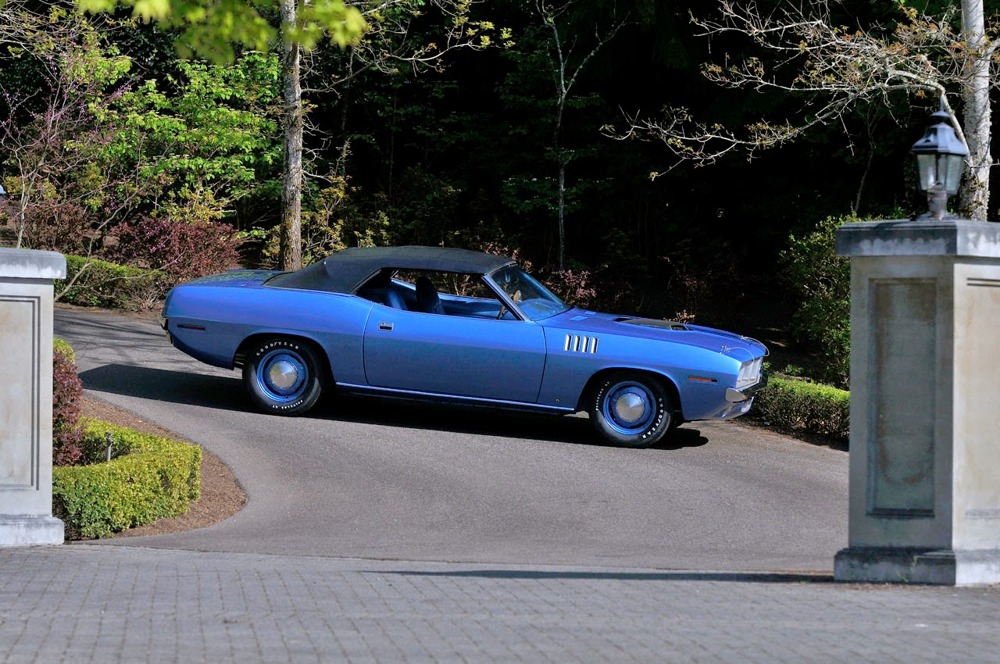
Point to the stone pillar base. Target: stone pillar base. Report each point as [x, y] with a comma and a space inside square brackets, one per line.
[30, 530]
[933, 567]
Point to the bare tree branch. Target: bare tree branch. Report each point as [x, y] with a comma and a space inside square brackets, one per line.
[834, 69]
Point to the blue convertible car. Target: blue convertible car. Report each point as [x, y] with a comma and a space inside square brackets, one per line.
[458, 326]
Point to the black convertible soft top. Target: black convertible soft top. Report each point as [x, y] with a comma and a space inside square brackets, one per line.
[345, 271]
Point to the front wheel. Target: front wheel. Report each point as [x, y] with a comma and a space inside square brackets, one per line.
[282, 376]
[631, 409]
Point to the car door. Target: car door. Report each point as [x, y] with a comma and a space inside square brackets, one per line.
[454, 355]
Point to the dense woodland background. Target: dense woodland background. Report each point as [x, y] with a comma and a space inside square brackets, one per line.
[114, 147]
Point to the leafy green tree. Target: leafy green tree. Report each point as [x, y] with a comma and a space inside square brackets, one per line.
[103, 147]
[213, 28]
[206, 142]
[53, 132]
[397, 35]
[332, 221]
[380, 32]
[821, 283]
[391, 37]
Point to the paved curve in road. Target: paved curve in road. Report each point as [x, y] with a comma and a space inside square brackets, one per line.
[380, 479]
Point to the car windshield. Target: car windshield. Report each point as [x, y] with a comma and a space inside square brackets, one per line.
[535, 300]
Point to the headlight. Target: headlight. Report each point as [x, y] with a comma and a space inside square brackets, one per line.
[749, 373]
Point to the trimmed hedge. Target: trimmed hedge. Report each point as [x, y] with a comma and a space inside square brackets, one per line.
[154, 478]
[94, 283]
[799, 406]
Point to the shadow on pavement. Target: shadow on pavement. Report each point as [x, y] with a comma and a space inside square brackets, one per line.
[737, 577]
[573, 429]
[226, 393]
[169, 386]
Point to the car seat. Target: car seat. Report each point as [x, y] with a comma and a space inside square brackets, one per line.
[427, 297]
[394, 299]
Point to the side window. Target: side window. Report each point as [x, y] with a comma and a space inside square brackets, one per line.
[449, 293]
[382, 289]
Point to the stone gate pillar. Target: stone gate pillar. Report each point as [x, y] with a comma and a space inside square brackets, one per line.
[26, 397]
[925, 402]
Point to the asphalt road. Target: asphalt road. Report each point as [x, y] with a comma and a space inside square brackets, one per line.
[380, 479]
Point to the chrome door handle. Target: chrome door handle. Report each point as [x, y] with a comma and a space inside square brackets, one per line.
[382, 325]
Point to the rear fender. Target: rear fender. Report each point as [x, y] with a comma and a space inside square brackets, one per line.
[239, 360]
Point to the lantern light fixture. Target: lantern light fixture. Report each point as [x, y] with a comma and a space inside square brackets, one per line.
[940, 162]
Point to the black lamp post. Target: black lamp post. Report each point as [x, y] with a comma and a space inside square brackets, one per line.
[940, 162]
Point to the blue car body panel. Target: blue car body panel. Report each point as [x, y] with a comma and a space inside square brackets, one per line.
[483, 351]
[582, 343]
[470, 356]
[210, 320]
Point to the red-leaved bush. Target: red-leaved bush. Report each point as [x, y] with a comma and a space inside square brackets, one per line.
[67, 390]
[182, 250]
[574, 286]
[57, 226]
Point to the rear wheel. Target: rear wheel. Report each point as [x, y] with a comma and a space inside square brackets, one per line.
[282, 376]
[631, 409]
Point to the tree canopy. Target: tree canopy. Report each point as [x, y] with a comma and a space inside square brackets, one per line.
[214, 28]
[439, 124]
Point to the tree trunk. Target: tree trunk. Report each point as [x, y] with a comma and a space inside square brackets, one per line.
[291, 191]
[562, 214]
[975, 192]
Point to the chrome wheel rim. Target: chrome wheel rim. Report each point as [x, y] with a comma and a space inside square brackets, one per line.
[629, 407]
[282, 375]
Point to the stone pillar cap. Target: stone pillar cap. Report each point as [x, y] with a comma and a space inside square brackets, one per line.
[31, 264]
[905, 237]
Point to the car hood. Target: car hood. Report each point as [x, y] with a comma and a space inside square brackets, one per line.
[591, 322]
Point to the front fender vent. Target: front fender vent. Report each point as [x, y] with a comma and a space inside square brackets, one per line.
[579, 344]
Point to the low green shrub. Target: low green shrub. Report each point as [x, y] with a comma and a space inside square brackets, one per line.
[799, 406]
[821, 283]
[157, 477]
[62, 346]
[95, 283]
